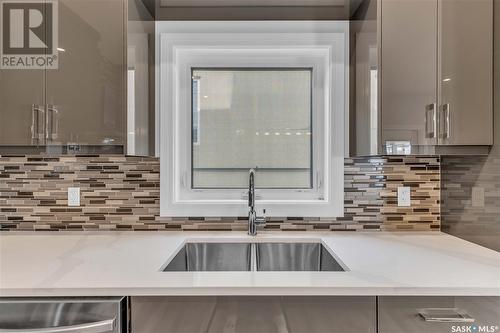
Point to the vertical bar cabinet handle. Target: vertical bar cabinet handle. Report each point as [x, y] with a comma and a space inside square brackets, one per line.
[430, 134]
[37, 115]
[34, 124]
[447, 115]
[52, 123]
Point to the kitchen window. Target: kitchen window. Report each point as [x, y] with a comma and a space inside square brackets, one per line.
[272, 101]
[265, 115]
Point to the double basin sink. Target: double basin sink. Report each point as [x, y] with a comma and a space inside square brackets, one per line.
[268, 256]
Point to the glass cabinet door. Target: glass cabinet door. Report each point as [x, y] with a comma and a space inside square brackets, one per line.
[85, 95]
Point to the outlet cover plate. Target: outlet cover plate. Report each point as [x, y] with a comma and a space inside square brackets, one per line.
[404, 196]
[73, 196]
[478, 197]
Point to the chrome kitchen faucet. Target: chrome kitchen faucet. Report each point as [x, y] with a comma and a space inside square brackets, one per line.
[253, 219]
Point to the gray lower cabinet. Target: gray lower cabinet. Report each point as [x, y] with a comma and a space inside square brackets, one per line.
[314, 314]
[438, 314]
[251, 314]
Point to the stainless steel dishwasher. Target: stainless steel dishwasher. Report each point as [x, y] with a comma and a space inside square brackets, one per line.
[63, 315]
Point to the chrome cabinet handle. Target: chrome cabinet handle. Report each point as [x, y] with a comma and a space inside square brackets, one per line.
[445, 315]
[431, 134]
[37, 115]
[51, 122]
[34, 124]
[446, 113]
[95, 327]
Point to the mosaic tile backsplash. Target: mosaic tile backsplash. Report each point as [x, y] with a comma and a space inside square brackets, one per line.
[479, 221]
[122, 193]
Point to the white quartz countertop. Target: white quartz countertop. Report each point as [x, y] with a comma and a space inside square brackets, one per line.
[379, 263]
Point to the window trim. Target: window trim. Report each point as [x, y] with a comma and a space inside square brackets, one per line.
[181, 51]
[191, 58]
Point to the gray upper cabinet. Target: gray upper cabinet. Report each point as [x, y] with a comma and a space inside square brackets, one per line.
[409, 71]
[466, 72]
[85, 95]
[81, 104]
[140, 79]
[434, 78]
[437, 72]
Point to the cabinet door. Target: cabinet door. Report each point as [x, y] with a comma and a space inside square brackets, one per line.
[251, 314]
[402, 314]
[22, 99]
[22, 76]
[409, 71]
[86, 94]
[466, 72]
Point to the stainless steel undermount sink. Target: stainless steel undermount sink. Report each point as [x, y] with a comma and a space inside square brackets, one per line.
[268, 256]
[312, 257]
[194, 257]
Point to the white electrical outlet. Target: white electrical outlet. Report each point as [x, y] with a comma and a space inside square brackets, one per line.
[477, 197]
[404, 196]
[73, 196]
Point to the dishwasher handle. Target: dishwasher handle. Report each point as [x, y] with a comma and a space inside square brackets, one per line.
[94, 327]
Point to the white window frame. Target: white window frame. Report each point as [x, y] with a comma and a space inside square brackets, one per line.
[322, 47]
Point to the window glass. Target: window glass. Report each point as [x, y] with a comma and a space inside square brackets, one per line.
[246, 118]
